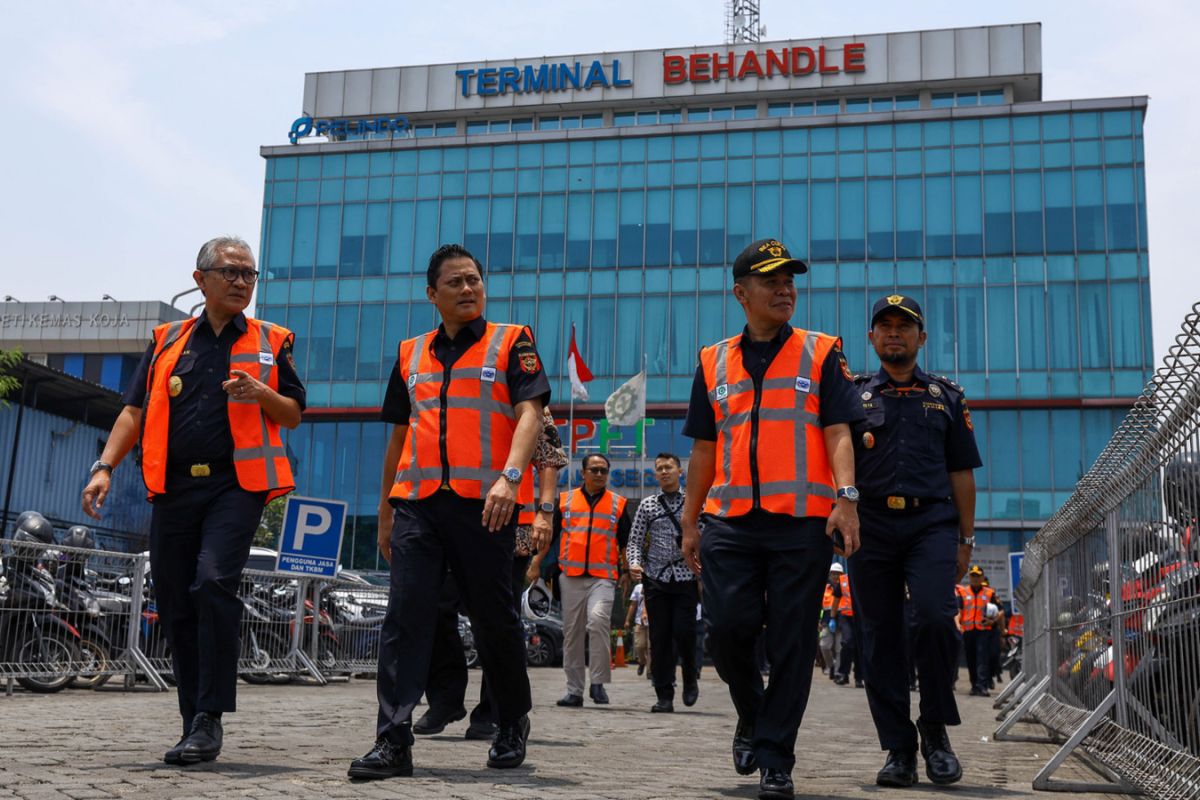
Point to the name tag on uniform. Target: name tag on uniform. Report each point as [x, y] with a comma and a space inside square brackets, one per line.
[488, 374]
[266, 358]
[803, 384]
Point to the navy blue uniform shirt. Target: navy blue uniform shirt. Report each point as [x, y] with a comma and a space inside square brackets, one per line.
[839, 403]
[526, 377]
[914, 435]
[198, 431]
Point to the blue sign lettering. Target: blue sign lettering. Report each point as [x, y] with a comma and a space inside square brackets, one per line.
[491, 81]
[341, 128]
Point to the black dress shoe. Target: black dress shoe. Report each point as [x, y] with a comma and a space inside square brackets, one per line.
[386, 760]
[858, 684]
[663, 707]
[941, 764]
[173, 756]
[900, 769]
[204, 742]
[641, 670]
[508, 750]
[691, 693]
[775, 784]
[481, 731]
[571, 701]
[435, 720]
[840, 681]
[599, 696]
[744, 760]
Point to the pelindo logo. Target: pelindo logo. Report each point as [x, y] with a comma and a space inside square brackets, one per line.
[340, 128]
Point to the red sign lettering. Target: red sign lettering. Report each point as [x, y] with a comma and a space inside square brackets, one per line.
[854, 57]
[703, 67]
[698, 67]
[674, 69]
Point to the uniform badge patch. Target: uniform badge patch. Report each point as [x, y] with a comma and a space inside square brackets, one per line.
[412, 380]
[967, 417]
[175, 386]
[487, 374]
[722, 391]
[845, 368]
[866, 395]
[530, 363]
[935, 390]
[266, 358]
[803, 384]
[868, 440]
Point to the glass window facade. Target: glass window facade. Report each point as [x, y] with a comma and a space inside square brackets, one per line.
[1023, 236]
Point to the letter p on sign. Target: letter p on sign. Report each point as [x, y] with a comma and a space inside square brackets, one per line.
[311, 521]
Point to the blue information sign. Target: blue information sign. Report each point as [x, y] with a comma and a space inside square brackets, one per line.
[311, 540]
[1014, 577]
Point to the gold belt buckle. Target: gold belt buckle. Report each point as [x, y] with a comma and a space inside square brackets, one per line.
[896, 503]
[201, 470]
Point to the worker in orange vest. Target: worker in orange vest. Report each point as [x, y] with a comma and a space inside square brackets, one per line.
[591, 526]
[976, 629]
[851, 655]
[208, 400]
[829, 638]
[469, 396]
[772, 468]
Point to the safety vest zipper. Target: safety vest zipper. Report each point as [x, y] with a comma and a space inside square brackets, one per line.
[587, 542]
[755, 488]
[443, 396]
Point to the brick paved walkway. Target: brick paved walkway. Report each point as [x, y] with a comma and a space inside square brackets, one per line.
[296, 741]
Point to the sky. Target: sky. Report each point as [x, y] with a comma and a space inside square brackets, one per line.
[132, 129]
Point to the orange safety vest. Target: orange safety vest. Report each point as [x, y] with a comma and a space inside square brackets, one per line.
[588, 543]
[781, 467]
[468, 407]
[973, 608]
[845, 606]
[827, 600]
[1016, 625]
[259, 457]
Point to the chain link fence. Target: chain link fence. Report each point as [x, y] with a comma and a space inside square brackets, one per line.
[1110, 589]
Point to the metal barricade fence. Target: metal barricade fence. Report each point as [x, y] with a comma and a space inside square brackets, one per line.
[1110, 589]
[344, 626]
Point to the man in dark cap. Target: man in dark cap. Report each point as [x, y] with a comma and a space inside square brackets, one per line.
[772, 468]
[915, 455]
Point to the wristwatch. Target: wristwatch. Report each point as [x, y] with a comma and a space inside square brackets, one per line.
[100, 465]
[848, 492]
[969, 541]
[512, 475]
[547, 508]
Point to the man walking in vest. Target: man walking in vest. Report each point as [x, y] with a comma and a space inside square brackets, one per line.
[208, 400]
[470, 395]
[592, 526]
[772, 468]
[976, 635]
[915, 452]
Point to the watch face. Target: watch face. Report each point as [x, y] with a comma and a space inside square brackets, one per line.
[546, 507]
[512, 474]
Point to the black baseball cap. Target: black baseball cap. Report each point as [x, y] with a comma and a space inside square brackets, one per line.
[764, 257]
[901, 302]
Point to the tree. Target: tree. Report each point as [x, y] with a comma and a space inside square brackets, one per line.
[270, 524]
[9, 383]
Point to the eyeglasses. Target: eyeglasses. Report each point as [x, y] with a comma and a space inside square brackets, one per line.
[598, 470]
[231, 274]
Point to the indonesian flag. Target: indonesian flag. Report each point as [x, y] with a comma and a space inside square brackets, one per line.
[578, 370]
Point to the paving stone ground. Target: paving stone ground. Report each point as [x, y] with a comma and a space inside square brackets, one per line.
[296, 742]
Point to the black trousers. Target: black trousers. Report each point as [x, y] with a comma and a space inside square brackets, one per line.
[446, 689]
[850, 657]
[765, 568]
[975, 646]
[200, 535]
[427, 536]
[671, 607]
[919, 548]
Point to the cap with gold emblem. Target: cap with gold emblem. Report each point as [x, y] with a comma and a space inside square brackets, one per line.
[764, 257]
[901, 303]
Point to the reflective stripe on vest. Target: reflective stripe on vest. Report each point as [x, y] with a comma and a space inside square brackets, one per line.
[793, 473]
[973, 608]
[588, 544]
[477, 411]
[845, 605]
[259, 457]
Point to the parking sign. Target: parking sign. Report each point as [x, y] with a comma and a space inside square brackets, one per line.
[1014, 577]
[311, 540]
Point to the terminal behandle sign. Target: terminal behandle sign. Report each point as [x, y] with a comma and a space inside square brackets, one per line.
[310, 542]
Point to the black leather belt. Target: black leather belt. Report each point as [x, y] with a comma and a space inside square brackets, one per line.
[897, 503]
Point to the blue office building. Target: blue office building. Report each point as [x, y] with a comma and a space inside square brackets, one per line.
[612, 191]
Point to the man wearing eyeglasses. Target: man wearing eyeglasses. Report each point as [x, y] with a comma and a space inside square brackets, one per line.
[592, 525]
[207, 402]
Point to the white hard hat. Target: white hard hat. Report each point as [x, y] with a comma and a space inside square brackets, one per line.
[991, 611]
[535, 601]
[836, 567]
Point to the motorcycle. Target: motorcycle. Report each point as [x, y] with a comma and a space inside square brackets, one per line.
[33, 630]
